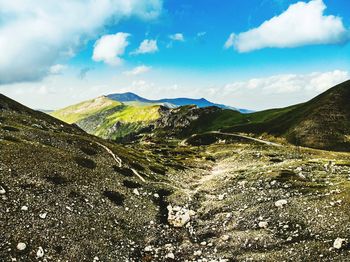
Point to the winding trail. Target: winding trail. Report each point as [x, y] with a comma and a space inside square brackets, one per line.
[109, 151]
[183, 142]
[120, 162]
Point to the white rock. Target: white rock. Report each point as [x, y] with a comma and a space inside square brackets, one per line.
[281, 203]
[263, 224]
[221, 197]
[156, 195]
[170, 255]
[43, 215]
[21, 246]
[179, 216]
[225, 237]
[40, 252]
[2, 190]
[197, 253]
[24, 208]
[148, 248]
[338, 243]
[136, 192]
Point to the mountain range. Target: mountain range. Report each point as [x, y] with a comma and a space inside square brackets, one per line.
[168, 102]
[322, 122]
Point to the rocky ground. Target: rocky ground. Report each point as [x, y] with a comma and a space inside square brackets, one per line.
[69, 196]
[256, 202]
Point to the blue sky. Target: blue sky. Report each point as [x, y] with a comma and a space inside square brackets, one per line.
[281, 51]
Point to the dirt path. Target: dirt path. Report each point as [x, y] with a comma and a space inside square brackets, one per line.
[183, 142]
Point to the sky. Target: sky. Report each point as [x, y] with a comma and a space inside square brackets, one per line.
[254, 54]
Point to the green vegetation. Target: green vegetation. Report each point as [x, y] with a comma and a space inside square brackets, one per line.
[74, 113]
[109, 118]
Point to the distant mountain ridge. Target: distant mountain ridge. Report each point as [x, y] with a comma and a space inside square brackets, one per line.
[170, 102]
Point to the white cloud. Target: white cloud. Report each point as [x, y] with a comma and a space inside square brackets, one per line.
[230, 41]
[34, 35]
[57, 69]
[109, 48]
[146, 46]
[177, 37]
[291, 83]
[138, 70]
[301, 24]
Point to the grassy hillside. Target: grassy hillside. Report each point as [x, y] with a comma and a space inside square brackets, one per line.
[108, 118]
[74, 113]
[323, 122]
[122, 122]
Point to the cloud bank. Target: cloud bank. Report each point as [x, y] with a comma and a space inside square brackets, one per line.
[37, 34]
[301, 24]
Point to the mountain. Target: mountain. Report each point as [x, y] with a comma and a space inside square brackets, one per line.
[323, 122]
[170, 102]
[108, 118]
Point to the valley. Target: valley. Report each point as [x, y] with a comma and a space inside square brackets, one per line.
[187, 189]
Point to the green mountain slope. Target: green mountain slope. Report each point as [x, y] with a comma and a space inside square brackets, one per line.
[323, 122]
[109, 118]
[74, 113]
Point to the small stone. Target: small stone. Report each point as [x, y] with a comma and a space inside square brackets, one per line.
[148, 248]
[136, 192]
[221, 197]
[170, 255]
[40, 252]
[2, 190]
[203, 243]
[24, 208]
[96, 259]
[225, 237]
[281, 203]
[338, 243]
[197, 253]
[156, 195]
[43, 215]
[263, 224]
[21, 246]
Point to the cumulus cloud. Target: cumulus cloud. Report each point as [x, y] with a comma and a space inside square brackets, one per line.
[35, 34]
[146, 46]
[109, 48]
[177, 37]
[138, 70]
[301, 24]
